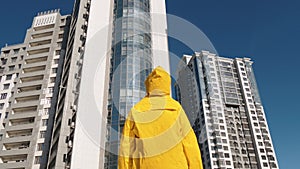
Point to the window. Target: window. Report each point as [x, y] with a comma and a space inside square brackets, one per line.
[16, 51]
[52, 79]
[56, 61]
[226, 155]
[45, 101]
[54, 70]
[57, 52]
[40, 146]
[5, 86]
[8, 77]
[6, 114]
[42, 134]
[46, 111]
[3, 96]
[14, 59]
[4, 61]
[11, 68]
[44, 122]
[37, 160]
[1, 106]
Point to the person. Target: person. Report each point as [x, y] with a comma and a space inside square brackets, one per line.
[157, 133]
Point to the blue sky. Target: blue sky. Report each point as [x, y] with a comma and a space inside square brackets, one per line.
[267, 31]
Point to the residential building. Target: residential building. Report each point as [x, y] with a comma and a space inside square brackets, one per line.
[112, 46]
[221, 99]
[30, 75]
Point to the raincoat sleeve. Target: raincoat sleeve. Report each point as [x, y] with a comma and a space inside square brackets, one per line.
[190, 143]
[127, 144]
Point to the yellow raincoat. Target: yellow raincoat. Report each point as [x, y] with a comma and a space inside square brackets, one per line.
[157, 133]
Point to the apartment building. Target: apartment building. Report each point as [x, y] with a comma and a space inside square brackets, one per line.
[30, 75]
[221, 99]
[61, 149]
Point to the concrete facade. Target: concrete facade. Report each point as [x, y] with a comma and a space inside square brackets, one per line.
[34, 68]
[221, 99]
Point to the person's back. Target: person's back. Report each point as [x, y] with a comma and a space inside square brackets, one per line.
[157, 133]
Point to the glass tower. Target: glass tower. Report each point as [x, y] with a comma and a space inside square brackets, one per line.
[131, 62]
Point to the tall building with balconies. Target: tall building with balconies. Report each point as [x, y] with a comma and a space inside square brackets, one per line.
[221, 99]
[30, 77]
[11, 59]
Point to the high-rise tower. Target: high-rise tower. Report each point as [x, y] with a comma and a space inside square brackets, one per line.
[221, 99]
[30, 75]
[113, 45]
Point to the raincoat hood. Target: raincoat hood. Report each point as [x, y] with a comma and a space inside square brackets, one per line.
[158, 82]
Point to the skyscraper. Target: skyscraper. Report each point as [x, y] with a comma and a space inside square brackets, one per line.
[112, 46]
[221, 99]
[30, 75]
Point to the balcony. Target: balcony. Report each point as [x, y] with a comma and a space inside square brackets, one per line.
[22, 105]
[19, 124]
[29, 84]
[42, 34]
[27, 126]
[38, 50]
[29, 77]
[40, 42]
[19, 133]
[12, 161]
[27, 99]
[35, 66]
[16, 146]
[16, 139]
[45, 27]
[36, 59]
[17, 116]
[32, 74]
[31, 88]
[28, 93]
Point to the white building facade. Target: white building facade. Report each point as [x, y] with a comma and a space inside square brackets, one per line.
[112, 46]
[221, 99]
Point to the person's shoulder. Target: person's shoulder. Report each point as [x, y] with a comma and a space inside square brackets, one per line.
[141, 105]
[174, 102]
